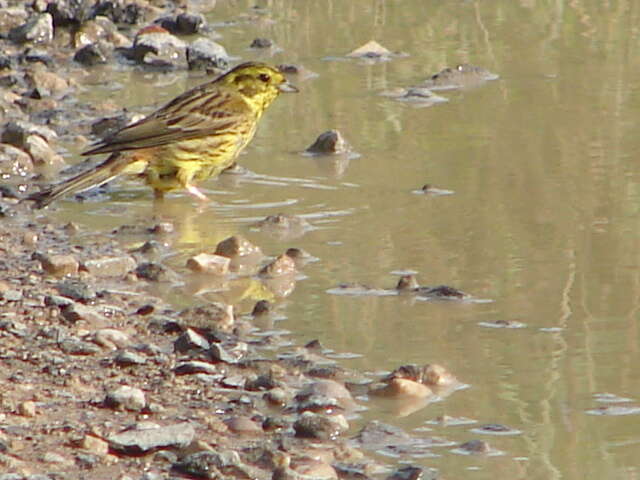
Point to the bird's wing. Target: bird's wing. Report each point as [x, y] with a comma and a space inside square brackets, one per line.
[199, 112]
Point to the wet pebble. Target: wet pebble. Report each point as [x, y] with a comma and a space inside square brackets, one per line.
[146, 437]
[155, 46]
[410, 472]
[373, 51]
[75, 346]
[475, 447]
[205, 54]
[236, 246]
[14, 162]
[154, 272]
[261, 42]
[464, 75]
[331, 142]
[38, 29]
[282, 265]
[183, 24]
[210, 264]
[317, 426]
[495, 429]
[90, 55]
[194, 367]
[126, 398]
[243, 425]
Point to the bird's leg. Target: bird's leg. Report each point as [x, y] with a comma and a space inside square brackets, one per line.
[196, 193]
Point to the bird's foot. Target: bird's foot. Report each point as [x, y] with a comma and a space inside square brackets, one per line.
[196, 193]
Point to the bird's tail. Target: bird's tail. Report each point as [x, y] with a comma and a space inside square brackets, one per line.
[99, 175]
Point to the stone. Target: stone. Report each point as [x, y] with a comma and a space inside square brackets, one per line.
[47, 83]
[90, 55]
[210, 317]
[205, 54]
[41, 153]
[143, 439]
[14, 162]
[110, 266]
[243, 425]
[59, 264]
[16, 133]
[38, 29]
[207, 263]
[190, 340]
[74, 346]
[156, 46]
[282, 265]
[236, 246]
[184, 24]
[193, 367]
[320, 427]
[126, 398]
[330, 142]
[76, 312]
[94, 445]
[128, 359]
[111, 338]
[27, 409]
[154, 272]
[76, 289]
[261, 43]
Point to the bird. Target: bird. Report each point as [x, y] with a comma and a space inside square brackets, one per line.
[192, 138]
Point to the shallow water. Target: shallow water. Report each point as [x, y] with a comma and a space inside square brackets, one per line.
[544, 219]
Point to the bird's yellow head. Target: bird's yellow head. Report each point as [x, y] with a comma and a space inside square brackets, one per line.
[259, 83]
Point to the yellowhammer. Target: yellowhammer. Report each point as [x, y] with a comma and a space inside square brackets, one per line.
[193, 137]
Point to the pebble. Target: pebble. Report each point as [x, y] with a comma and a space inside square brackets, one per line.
[236, 246]
[27, 409]
[156, 46]
[183, 24]
[154, 272]
[41, 153]
[207, 263]
[205, 54]
[190, 340]
[243, 425]
[110, 266]
[261, 43]
[90, 55]
[111, 338]
[145, 438]
[126, 398]
[38, 29]
[76, 312]
[128, 359]
[193, 367]
[16, 132]
[76, 289]
[313, 425]
[59, 264]
[74, 346]
[475, 446]
[14, 162]
[410, 472]
[282, 265]
[94, 445]
[331, 142]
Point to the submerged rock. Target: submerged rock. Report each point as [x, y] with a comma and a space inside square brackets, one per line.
[373, 51]
[464, 75]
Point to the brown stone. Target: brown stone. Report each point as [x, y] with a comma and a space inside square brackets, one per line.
[207, 263]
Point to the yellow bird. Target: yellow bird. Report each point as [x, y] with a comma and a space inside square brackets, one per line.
[192, 138]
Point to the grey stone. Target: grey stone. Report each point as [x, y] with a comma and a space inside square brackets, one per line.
[126, 398]
[141, 440]
[190, 340]
[90, 55]
[38, 29]
[204, 54]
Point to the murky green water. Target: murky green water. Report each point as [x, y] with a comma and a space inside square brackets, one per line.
[544, 219]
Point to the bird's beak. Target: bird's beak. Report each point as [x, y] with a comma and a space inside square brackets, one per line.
[287, 87]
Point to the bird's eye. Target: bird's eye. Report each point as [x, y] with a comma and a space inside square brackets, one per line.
[264, 77]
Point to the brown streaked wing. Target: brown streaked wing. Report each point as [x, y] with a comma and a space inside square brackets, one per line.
[196, 113]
